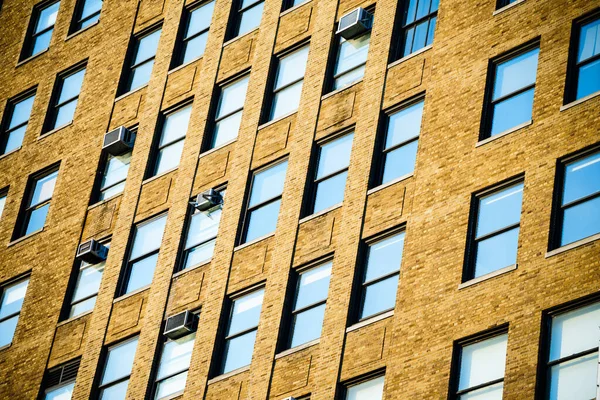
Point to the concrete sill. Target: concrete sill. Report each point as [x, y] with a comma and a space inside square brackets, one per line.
[53, 131]
[370, 321]
[155, 177]
[408, 57]
[182, 66]
[336, 91]
[72, 35]
[190, 269]
[250, 243]
[219, 147]
[10, 152]
[502, 134]
[318, 214]
[579, 101]
[228, 375]
[297, 348]
[390, 183]
[573, 245]
[75, 318]
[23, 238]
[99, 203]
[507, 7]
[25, 61]
[289, 10]
[274, 121]
[485, 277]
[239, 37]
[130, 93]
[127, 295]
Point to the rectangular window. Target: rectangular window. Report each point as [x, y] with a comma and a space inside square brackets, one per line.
[503, 3]
[196, 24]
[578, 216]
[3, 194]
[172, 136]
[118, 364]
[87, 286]
[246, 17]
[262, 210]
[114, 175]
[510, 92]
[40, 29]
[288, 83]
[60, 381]
[65, 98]
[11, 300]
[173, 368]
[241, 331]
[16, 118]
[351, 60]
[330, 176]
[87, 13]
[140, 61]
[145, 245]
[228, 114]
[380, 276]
[495, 230]
[365, 390]
[309, 305]
[418, 25]
[584, 68]
[37, 203]
[401, 141]
[481, 372]
[201, 236]
[287, 4]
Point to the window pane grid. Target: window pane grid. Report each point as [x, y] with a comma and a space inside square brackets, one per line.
[225, 116]
[20, 113]
[398, 145]
[481, 386]
[380, 278]
[309, 307]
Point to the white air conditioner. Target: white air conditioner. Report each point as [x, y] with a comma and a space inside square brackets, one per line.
[118, 141]
[208, 200]
[181, 324]
[92, 252]
[354, 23]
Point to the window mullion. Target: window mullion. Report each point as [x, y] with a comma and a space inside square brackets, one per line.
[513, 94]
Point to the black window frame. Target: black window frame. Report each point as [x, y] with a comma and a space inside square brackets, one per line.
[28, 45]
[3, 195]
[9, 109]
[183, 38]
[331, 75]
[342, 390]
[10, 282]
[401, 28]
[98, 387]
[235, 19]
[132, 50]
[289, 4]
[65, 376]
[78, 18]
[505, 3]
[54, 106]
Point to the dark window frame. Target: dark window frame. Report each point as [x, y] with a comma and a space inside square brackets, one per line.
[182, 38]
[504, 3]
[61, 367]
[401, 27]
[132, 49]
[289, 4]
[27, 50]
[4, 194]
[342, 392]
[329, 86]
[54, 105]
[9, 282]
[235, 19]
[78, 18]
[9, 109]
[97, 385]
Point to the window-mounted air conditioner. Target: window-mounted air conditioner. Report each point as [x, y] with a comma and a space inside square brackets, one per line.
[208, 200]
[118, 141]
[181, 324]
[92, 252]
[354, 23]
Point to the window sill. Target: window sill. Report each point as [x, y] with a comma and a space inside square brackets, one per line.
[239, 37]
[336, 91]
[370, 320]
[573, 245]
[75, 318]
[207, 152]
[502, 134]
[507, 7]
[274, 121]
[73, 34]
[318, 214]
[390, 183]
[228, 375]
[173, 396]
[25, 61]
[289, 10]
[53, 131]
[127, 295]
[182, 66]
[485, 277]
[155, 177]
[250, 243]
[101, 202]
[130, 93]
[192, 268]
[297, 348]
[23, 238]
[579, 101]
[6, 347]
[10, 152]
[408, 57]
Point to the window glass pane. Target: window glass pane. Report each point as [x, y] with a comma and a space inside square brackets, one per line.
[330, 192]
[71, 86]
[238, 352]
[44, 187]
[370, 390]
[349, 78]
[246, 312]
[88, 281]
[116, 392]
[420, 37]
[496, 252]
[589, 79]
[575, 379]
[385, 257]
[65, 114]
[15, 139]
[581, 221]
[404, 124]
[379, 297]
[227, 129]
[512, 112]
[483, 362]
[37, 219]
[116, 169]
[174, 384]
[500, 209]
[148, 237]
[203, 227]
[47, 17]
[21, 112]
[12, 298]
[175, 126]
[410, 13]
[589, 41]
[292, 67]
[408, 39]
[119, 361]
[90, 7]
[7, 330]
[168, 157]
[493, 392]
[200, 18]
[575, 331]
[400, 162]
[262, 221]
[176, 356]
[233, 97]
[199, 254]
[41, 42]
[431, 31]
[194, 48]
[61, 393]
[334, 156]
[307, 325]
[582, 178]
[352, 53]
[84, 306]
[313, 286]
[423, 8]
[141, 75]
[287, 100]
[268, 184]
[141, 273]
[2, 203]
[112, 191]
[516, 73]
[147, 47]
[250, 18]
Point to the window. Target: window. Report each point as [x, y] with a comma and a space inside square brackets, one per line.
[247, 16]
[16, 118]
[40, 29]
[495, 230]
[401, 142]
[170, 145]
[579, 211]
[228, 116]
[87, 13]
[510, 100]
[60, 381]
[584, 71]
[193, 41]
[173, 368]
[366, 390]
[241, 331]
[351, 60]
[11, 301]
[3, 194]
[309, 305]
[330, 177]
[418, 25]
[482, 363]
[117, 370]
[64, 99]
[288, 83]
[287, 4]
[573, 354]
[201, 237]
[143, 255]
[141, 60]
[114, 175]
[87, 286]
[380, 276]
[37, 197]
[504, 3]
[265, 198]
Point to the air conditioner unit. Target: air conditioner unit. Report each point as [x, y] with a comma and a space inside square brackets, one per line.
[181, 324]
[118, 141]
[92, 252]
[354, 23]
[208, 200]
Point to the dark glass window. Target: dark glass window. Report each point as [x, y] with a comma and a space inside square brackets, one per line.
[141, 61]
[172, 137]
[246, 17]
[330, 176]
[40, 30]
[60, 381]
[86, 14]
[11, 300]
[228, 113]
[118, 364]
[288, 83]
[371, 389]
[65, 98]
[17, 114]
[504, 3]
[287, 4]
[173, 367]
[351, 60]
[87, 287]
[511, 96]
[585, 69]
[193, 41]
[265, 198]
[418, 25]
[38, 197]
[3, 195]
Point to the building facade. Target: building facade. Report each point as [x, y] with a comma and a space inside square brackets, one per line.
[406, 204]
